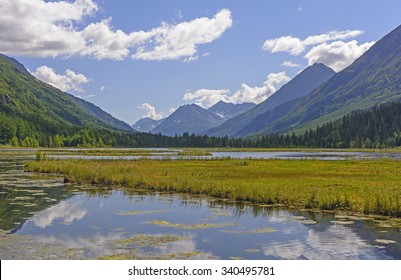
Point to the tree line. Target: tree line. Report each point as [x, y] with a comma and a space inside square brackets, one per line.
[379, 127]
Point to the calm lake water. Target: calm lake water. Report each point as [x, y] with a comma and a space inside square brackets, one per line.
[43, 218]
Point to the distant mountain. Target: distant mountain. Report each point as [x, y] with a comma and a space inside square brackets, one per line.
[188, 118]
[229, 110]
[306, 81]
[33, 108]
[373, 79]
[146, 124]
[100, 114]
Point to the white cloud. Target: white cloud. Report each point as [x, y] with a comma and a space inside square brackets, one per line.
[290, 64]
[288, 44]
[150, 111]
[49, 29]
[44, 29]
[259, 94]
[296, 46]
[181, 40]
[68, 82]
[337, 55]
[209, 97]
[191, 59]
[102, 88]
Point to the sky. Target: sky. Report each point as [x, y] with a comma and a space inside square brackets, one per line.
[139, 59]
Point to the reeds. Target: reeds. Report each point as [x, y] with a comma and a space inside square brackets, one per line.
[365, 186]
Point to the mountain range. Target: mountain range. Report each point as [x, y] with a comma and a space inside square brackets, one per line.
[242, 125]
[146, 124]
[192, 118]
[188, 118]
[29, 106]
[230, 110]
[316, 96]
[373, 79]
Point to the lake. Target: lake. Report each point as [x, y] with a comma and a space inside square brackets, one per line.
[41, 217]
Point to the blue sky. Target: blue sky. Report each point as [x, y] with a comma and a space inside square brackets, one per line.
[137, 58]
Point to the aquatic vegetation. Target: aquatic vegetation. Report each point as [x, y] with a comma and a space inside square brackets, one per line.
[385, 241]
[220, 212]
[185, 226]
[25, 247]
[148, 240]
[118, 257]
[257, 231]
[197, 152]
[365, 186]
[343, 222]
[252, 250]
[236, 258]
[139, 212]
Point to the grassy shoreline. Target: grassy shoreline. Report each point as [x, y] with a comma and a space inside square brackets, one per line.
[363, 186]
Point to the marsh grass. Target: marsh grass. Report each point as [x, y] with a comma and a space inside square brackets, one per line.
[364, 186]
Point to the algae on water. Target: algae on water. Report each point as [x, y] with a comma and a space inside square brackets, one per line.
[185, 226]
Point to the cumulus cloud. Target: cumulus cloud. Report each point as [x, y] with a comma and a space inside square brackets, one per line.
[296, 46]
[44, 29]
[191, 59]
[150, 111]
[258, 94]
[68, 82]
[337, 55]
[49, 29]
[327, 48]
[209, 97]
[290, 64]
[181, 40]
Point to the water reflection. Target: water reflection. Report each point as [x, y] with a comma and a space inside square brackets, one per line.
[89, 222]
[336, 242]
[66, 211]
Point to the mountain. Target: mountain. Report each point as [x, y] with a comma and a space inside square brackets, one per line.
[31, 107]
[188, 118]
[146, 124]
[229, 110]
[16, 63]
[100, 114]
[373, 79]
[306, 81]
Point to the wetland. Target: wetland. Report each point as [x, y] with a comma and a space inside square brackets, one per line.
[199, 208]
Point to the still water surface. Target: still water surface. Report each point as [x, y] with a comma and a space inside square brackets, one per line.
[83, 222]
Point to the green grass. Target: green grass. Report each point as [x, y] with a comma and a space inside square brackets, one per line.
[365, 186]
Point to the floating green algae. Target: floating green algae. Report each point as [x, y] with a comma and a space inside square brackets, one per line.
[252, 250]
[253, 231]
[139, 212]
[118, 257]
[307, 222]
[185, 226]
[148, 240]
[220, 212]
[385, 241]
[343, 222]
